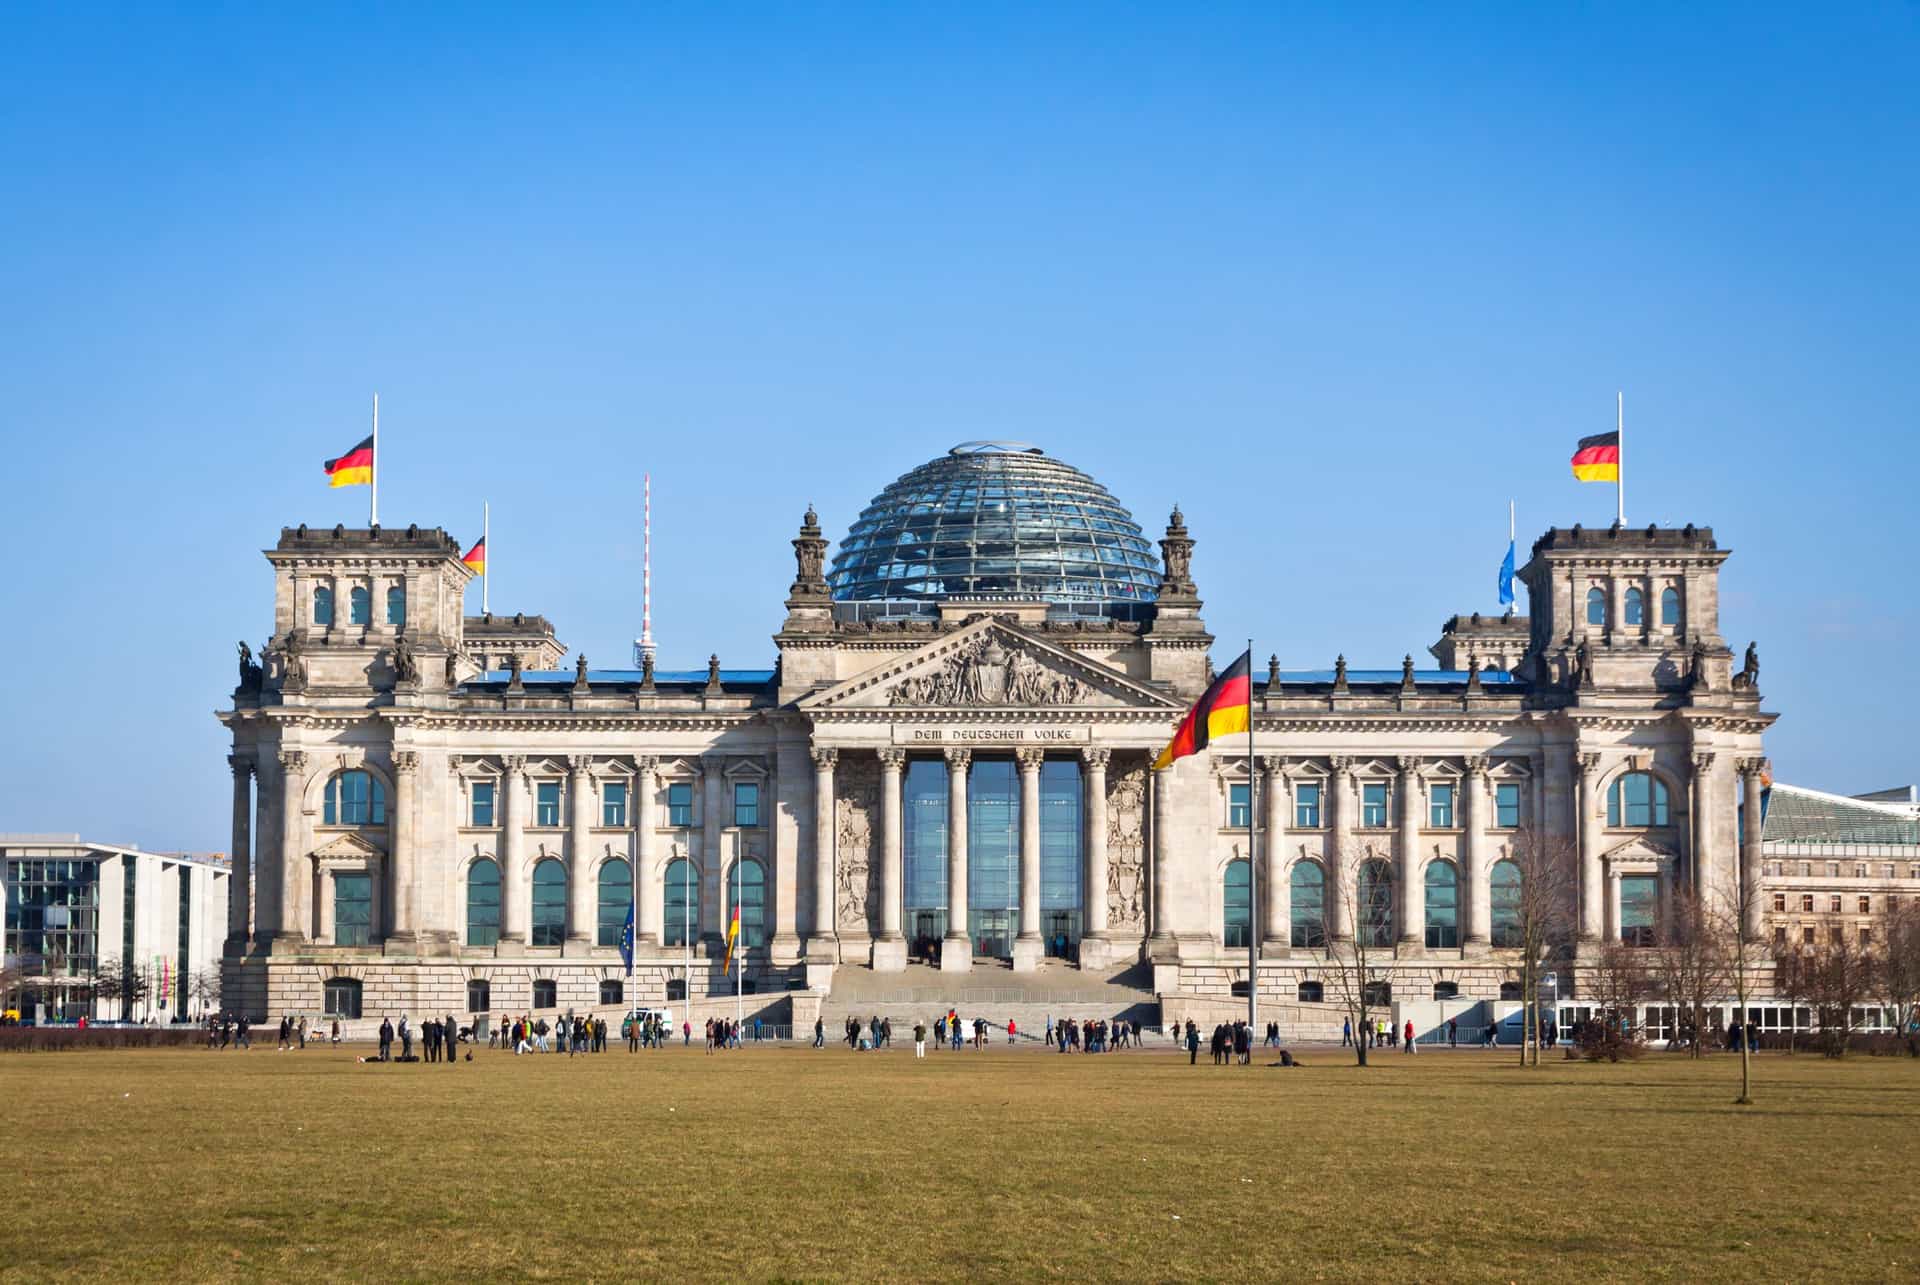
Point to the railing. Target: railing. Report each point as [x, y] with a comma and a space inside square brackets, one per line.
[979, 996]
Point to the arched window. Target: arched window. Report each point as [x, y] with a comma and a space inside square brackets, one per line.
[1373, 903]
[322, 605]
[342, 996]
[1308, 886]
[1636, 607]
[549, 905]
[616, 899]
[683, 903]
[1637, 799]
[1504, 904]
[1443, 905]
[1377, 994]
[354, 798]
[360, 606]
[483, 904]
[1669, 606]
[1511, 991]
[1596, 607]
[1237, 903]
[396, 606]
[747, 887]
[1312, 992]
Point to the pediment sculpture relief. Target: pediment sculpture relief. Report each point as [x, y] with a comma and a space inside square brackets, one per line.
[985, 672]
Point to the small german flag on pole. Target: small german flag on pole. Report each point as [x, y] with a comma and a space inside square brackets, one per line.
[1224, 710]
[733, 935]
[355, 468]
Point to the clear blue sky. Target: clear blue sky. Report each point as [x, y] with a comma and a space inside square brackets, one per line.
[1339, 283]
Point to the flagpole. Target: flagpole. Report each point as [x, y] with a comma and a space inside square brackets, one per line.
[373, 471]
[486, 545]
[740, 965]
[1253, 872]
[1620, 469]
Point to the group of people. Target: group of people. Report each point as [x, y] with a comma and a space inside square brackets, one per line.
[439, 1039]
[1093, 1036]
[1231, 1042]
[1380, 1033]
[571, 1033]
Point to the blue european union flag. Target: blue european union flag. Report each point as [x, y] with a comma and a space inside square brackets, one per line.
[626, 940]
[1506, 578]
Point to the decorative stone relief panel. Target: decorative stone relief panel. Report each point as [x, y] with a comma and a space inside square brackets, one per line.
[1127, 845]
[856, 809]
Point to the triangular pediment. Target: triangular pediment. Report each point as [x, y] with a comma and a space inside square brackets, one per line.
[347, 846]
[989, 664]
[1640, 851]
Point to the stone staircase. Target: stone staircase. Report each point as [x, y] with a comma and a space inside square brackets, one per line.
[994, 991]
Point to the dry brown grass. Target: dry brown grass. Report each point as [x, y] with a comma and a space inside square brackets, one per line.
[801, 1164]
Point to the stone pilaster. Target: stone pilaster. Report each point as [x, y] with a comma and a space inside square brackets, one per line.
[823, 941]
[649, 893]
[1751, 904]
[1162, 944]
[405, 864]
[240, 883]
[1708, 872]
[515, 908]
[1096, 943]
[294, 871]
[1277, 906]
[580, 879]
[1028, 948]
[1478, 902]
[890, 948]
[956, 951]
[1589, 824]
[1340, 863]
[1413, 888]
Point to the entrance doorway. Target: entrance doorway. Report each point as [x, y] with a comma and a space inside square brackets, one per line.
[993, 933]
[1062, 931]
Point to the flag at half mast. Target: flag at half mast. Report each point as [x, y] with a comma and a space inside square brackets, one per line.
[355, 468]
[476, 557]
[1597, 458]
[1226, 708]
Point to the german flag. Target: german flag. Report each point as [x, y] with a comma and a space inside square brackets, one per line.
[355, 468]
[733, 935]
[1598, 458]
[477, 556]
[1225, 709]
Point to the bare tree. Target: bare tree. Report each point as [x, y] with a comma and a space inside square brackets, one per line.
[1691, 967]
[109, 986]
[1900, 964]
[1840, 977]
[204, 989]
[1357, 939]
[1544, 919]
[1745, 958]
[1620, 979]
[1792, 969]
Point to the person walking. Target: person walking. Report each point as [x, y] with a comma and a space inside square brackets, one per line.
[1346, 1032]
[1011, 1032]
[1453, 1031]
[1193, 1043]
[819, 1032]
[919, 1039]
[1411, 1045]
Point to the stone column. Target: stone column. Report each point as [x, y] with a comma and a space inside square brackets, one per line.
[1341, 802]
[1475, 932]
[649, 902]
[1613, 905]
[1708, 872]
[1588, 828]
[240, 882]
[823, 942]
[269, 860]
[581, 900]
[1028, 948]
[1276, 910]
[514, 907]
[1749, 900]
[890, 948]
[1162, 938]
[1413, 888]
[1095, 942]
[956, 951]
[294, 871]
[406, 893]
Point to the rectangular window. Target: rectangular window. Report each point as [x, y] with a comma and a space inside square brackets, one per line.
[1833, 904]
[613, 804]
[1806, 903]
[1440, 807]
[1886, 871]
[1306, 805]
[1780, 936]
[1806, 935]
[1866, 905]
[1373, 805]
[1506, 806]
[483, 804]
[360, 605]
[479, 995]
[1239, 807]
[352, 910]
[1866, 935]
[396, 606]
[746, 804]
[1780, 902]
[546, 803]
[680, 805]
[1833, 869]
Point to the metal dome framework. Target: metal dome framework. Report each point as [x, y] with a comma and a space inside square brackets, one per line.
[997, 520]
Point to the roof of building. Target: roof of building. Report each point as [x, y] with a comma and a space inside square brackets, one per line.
[1795, 814]
[16, 845]
[518, 625]
[630, 677]
[996, 518]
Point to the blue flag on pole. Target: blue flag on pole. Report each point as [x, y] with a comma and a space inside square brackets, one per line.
[626, 940]
[1506, 578]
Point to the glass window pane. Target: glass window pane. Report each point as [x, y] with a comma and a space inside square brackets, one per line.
[483, 804]
[1373, 805]
[1443, 905]
[360, 606]
[680, 804]
[549, 920]
[483, 903]
[546, 807]
[924, 852]
[613, 804]
[1440, 809]
[352, 909]
[1506, 802]
[1307, 887]
[396, 606]
[1237, 904]
[616, 899]
[746, 804]
[1306, 805]
[682, 890]
[1505, 904]
[1238, 807]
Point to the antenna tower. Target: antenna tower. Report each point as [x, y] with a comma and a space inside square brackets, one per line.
[643, 646]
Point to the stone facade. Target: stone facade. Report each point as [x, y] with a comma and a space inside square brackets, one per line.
[791, 785]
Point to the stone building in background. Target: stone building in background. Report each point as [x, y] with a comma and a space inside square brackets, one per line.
[948, 766]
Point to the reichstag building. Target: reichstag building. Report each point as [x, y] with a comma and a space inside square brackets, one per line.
[947, 769]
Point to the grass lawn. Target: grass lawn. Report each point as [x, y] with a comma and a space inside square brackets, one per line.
[801, 1164]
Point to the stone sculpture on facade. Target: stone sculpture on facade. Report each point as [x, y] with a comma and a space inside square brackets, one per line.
[251, 674]
[1748, 678]
[857, 788]
[406, 665]
[985, 673]
[1127, 848]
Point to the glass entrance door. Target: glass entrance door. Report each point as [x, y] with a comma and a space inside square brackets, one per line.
[1062, 929]
[992, 932]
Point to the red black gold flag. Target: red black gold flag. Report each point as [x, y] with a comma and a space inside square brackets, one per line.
[1598, 458]
[1225, 709]
[477, 556]
[355, 468]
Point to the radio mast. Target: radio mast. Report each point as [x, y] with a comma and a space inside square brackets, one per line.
[643, 646]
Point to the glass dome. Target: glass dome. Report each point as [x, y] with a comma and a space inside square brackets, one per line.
[998, 519]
